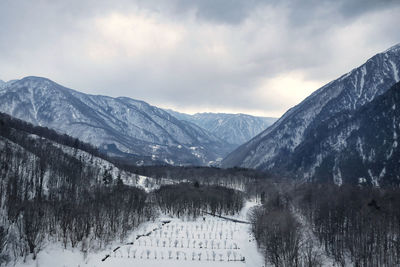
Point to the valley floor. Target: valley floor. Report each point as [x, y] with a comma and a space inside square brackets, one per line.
[206, 241]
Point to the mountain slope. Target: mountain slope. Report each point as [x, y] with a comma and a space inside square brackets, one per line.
[357, 147]
[60, 156]
[234, 128]
[117, 125]
[360, 86]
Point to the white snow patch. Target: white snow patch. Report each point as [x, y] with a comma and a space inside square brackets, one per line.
[382, 174]
[363, 73]
[395, 71]
[374, 179]
[169, 161]
[337, 177]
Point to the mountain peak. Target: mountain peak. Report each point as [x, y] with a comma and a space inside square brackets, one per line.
[121, 126]
[271, 149]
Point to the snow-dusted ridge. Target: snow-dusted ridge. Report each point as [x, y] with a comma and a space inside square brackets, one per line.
[234, 128]
[271, 148]
[120, 126]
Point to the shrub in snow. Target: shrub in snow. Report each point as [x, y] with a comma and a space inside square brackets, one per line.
[134, 253]
[228, 253]
[148, 253]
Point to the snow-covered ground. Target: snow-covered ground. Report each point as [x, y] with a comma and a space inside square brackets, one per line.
[168, 242]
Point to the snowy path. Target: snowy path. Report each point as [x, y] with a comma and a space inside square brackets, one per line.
[211, 242]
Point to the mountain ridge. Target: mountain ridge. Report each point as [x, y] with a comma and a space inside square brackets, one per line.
[347, 93]
[122, 125]
[358, 147]
[234, 128]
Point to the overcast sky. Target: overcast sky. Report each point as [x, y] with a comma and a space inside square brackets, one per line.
[250, 56]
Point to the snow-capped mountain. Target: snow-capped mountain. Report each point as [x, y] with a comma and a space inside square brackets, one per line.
[299, 125]
[236, 129]
[357, 147]
[117, 125]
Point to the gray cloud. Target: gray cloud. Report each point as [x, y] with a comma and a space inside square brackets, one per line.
[253, 56]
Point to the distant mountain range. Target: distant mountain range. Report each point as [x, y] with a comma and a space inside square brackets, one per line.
[123, 126]
[342, 132]
[235, 129]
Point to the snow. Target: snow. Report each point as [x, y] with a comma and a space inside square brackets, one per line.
[337, 177]
[363, 73]
[169, 243]
[374, 179]
[146, 183]
[308, 234]
[395, 71]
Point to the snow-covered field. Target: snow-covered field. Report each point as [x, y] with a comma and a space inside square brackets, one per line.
[206, 241]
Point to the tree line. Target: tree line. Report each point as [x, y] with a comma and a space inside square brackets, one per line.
[305, 224]
[354, 224]
[193, 199]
